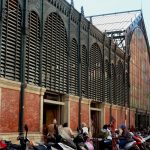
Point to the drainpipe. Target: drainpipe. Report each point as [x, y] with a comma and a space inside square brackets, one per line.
[22, 73]
[103, 68]
[110, 84]
[40, 69]
[88, 52]
[68, 65]
[79, 71]
[1, 18]
[41, 41]
[129, 86]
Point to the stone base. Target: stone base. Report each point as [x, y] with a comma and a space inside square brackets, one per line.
[36, 137]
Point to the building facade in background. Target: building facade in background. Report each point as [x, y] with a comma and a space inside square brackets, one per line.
[54, 63]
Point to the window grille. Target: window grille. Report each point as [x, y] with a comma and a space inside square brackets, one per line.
[95, 74]
[117, 84]
[113, 80]
[33, 49]
[107, 99]
[74, 68]
[84, 72]
[126, 88]
[54, 54]
[120, 84]
[11, 41]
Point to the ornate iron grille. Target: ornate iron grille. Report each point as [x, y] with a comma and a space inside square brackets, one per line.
[84, 72]
[33, 50]
[120, 84]
[126, 88]
[74, 68]
[54, 55]
[113, 79]
[11, 41]
[95, 74]
[107, 97]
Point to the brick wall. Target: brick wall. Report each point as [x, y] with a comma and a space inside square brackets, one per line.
[9, 107]
[74, 109]
[32, 111]
[9, 110]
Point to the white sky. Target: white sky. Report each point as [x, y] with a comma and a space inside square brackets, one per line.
[97, 7]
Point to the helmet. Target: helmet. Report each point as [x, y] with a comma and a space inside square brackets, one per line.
[122, 126]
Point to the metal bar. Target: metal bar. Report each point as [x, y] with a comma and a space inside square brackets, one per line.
[103, 71]
[79, 71]
[121, 12]
[110, 83]
[41, 41]
[88, 50]
[23, 54]
[69, 50]
[1, 18]
[115, 74]
[129, 87]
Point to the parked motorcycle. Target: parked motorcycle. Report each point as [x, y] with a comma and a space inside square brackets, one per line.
[132, 145]
[83, 142]
[141, 142]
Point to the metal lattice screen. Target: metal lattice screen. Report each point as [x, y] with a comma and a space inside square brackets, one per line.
[54, 54]
[74, 68]
[33, 50]
[107, 96]
[113, 97]
[84, 72]
[126, 88]
[95, 74]
[120, 84]
[11, 41]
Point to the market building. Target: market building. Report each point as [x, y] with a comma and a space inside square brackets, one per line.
[55, 63]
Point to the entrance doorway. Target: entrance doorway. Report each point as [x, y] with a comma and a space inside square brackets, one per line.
[95, 122]
[53, 108]
[50, 113]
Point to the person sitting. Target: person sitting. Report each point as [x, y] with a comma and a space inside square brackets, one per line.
[68, 130]
[125, 136]
[104, 132]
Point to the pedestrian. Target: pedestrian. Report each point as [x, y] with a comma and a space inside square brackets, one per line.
[84, 128]
[68, 130]
[52, 131]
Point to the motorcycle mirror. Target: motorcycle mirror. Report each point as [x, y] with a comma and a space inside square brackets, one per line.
[26, 127]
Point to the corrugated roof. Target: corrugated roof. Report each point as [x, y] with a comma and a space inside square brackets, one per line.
[114, 21]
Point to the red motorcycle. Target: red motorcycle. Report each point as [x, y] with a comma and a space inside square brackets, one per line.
[140, 141]
[3, 145]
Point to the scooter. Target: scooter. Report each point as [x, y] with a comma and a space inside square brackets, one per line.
[129, 146]
[141, 142]
[83, 142]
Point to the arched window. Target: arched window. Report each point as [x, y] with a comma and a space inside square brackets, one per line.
[95, 74]
[74, 68]
[54, 54]
[32, 72]
[11, 41]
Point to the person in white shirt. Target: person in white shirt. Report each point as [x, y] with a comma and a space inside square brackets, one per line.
[84, 128]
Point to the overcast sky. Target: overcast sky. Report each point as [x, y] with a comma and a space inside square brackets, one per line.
[96, 7]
